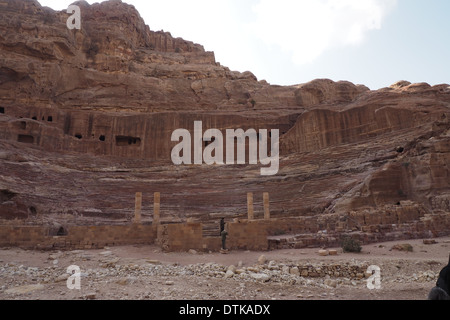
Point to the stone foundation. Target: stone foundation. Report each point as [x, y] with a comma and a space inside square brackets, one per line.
[76, 237]
[257, 235]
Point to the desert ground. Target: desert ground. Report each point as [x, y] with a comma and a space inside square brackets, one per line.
[147, 273]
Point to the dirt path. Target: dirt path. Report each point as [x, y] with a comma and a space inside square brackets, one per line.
[145, 272]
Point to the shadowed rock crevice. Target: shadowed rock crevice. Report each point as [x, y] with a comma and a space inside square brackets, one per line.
[6, 195]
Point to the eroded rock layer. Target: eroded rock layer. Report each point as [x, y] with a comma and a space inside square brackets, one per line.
[86, 118]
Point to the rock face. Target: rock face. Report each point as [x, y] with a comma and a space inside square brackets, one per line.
[86, 118]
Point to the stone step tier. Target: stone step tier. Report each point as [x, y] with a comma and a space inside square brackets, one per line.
[367, 235]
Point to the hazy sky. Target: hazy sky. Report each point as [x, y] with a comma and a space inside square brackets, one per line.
[371, 42]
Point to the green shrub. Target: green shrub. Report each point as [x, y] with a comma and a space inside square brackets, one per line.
[349, 244]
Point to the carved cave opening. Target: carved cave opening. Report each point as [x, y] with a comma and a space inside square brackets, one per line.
[32, 210]
[57, 231]
[127, 141]
[25, 138]
[6, 195]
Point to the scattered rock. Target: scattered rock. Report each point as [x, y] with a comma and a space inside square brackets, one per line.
[262, 259]
[25, 289]
[333, 252]
[125, 281]
[109, 263]
[295, 271]
[286, 269]
[240, 271]
[54, 256]
[229, 274]
[331, 283]
[260, 277]
[62, 278]
[429, 241]
[232, 268]
[403, 247]
[323, 252]
[90, 296]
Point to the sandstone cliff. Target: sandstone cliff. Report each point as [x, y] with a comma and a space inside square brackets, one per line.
[86, 118]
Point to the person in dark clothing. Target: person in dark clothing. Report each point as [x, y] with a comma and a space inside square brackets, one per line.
[442, 289]
[224, 235]
[222, 225]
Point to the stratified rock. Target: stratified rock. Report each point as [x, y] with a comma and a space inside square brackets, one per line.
[86, 118]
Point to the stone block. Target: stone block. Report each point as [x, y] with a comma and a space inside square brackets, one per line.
[262, 259]
[294, 271]
[266, 206]
[250, 210]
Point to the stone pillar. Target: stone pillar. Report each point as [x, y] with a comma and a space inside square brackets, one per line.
[156, 206]
[137, 207]
[266, 205]
[251, 213]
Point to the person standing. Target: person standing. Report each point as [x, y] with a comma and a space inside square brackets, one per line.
[222, 225]
[224, 235]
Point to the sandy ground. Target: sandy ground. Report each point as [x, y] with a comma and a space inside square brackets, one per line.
[147, 273]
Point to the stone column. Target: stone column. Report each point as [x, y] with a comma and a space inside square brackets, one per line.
[251, 213]
[137, 207]
[156, 206]
[266, 205]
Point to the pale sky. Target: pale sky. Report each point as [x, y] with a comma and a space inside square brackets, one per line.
[286, 42]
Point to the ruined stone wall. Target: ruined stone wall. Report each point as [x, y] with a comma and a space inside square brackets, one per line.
[178, 237]
[257, 235]
[77, 237]
[247, 235]
[171, 237]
